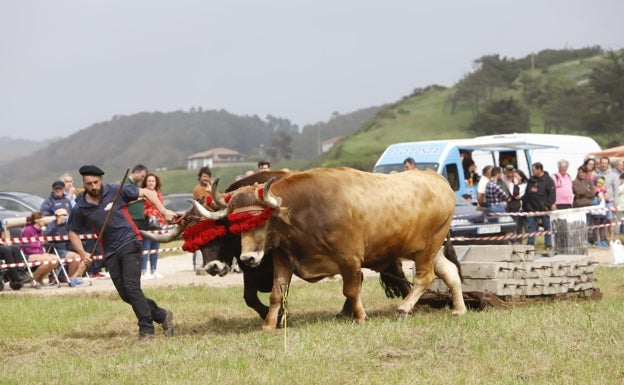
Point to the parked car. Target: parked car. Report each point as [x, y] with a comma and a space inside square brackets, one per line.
[469, 222]
[177, 202]
[18, 204]
[5, 214]
[20, 201]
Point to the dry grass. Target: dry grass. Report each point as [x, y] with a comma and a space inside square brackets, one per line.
[92, 340]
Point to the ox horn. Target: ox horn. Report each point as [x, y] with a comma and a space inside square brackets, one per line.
[164, 238]
[216, 197]
[269, 199]
[212, 215]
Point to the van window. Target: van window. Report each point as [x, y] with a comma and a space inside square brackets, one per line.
[388, 168]
[451, 174]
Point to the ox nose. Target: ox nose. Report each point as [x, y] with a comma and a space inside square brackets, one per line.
[251, 259]
[217, 268]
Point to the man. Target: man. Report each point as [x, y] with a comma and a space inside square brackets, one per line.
[56, 200]
[204, 184]
[121, 243]
[612, 182]
[507, 181]
[58, 228]
[201, 192]
[495, 195]
[619, 166]
[482, 184]
[409, 164]
[563, 186]
[539, 196]
[264, 165]
[137, 209]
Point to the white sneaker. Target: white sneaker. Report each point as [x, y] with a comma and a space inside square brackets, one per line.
[156, 274]
[146, 276]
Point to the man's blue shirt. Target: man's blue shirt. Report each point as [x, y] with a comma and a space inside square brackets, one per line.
[120, 229]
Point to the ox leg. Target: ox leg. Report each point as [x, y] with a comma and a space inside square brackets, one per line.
[250, 294]
[448, 272]
[351, 288]
[422, 279]
[282, 274]
[347, 309]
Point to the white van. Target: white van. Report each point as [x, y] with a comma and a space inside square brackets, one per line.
[519, 150]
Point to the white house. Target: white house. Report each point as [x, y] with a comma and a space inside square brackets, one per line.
[329, 143]
[213, 157]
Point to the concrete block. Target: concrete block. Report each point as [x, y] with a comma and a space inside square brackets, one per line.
[487, 270]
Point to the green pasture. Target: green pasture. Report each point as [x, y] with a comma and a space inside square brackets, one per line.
[91, 339]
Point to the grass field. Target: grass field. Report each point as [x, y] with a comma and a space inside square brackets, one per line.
[92, 340]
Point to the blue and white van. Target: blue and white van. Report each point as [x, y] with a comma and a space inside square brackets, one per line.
[519, 150]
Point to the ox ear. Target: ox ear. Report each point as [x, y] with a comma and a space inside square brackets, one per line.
[284, 215]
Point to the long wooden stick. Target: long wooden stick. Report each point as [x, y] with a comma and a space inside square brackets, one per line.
[83, 266]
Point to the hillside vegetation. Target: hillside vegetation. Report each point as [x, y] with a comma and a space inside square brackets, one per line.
[428, 113]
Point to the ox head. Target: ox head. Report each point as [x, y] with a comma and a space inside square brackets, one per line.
[251, 208]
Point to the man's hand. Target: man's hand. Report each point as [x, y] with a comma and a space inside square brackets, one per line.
[169, 215]
[87, 259]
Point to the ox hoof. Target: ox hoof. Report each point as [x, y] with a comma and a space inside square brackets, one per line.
[401, 314]
[344, 314]
[459, 311]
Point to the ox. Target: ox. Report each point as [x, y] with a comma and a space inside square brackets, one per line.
[323, 222]
[219, 253]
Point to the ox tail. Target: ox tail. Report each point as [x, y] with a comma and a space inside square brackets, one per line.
[451, 255]
[394, 283]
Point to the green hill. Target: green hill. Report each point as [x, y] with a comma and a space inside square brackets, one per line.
[426, 115]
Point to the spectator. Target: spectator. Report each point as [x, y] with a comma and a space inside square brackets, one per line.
[620, 204]
[507, 181]
[539, 196]
[58, 228]
[482, 183]
[599, 220]
[495, 197]
[409, 164]
[583, 190]
[34, 251]
[514, 204]
[467, 162]
[201, 192]
[12, 254]
[563, 186]
[619, 166]
[137, 208]
[590, 166]
[70, 190]
[472, 177]
[152, 183]
[264, 165]
[611, 184]
[56, 200]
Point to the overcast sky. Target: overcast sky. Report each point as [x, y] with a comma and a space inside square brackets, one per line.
[66, 64]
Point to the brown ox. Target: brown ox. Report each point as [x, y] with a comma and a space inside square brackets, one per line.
[324, 222]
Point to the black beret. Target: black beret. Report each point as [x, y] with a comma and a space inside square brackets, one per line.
[58, 184]
[90, 170]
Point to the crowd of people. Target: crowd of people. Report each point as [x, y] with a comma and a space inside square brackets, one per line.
[596, 183]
